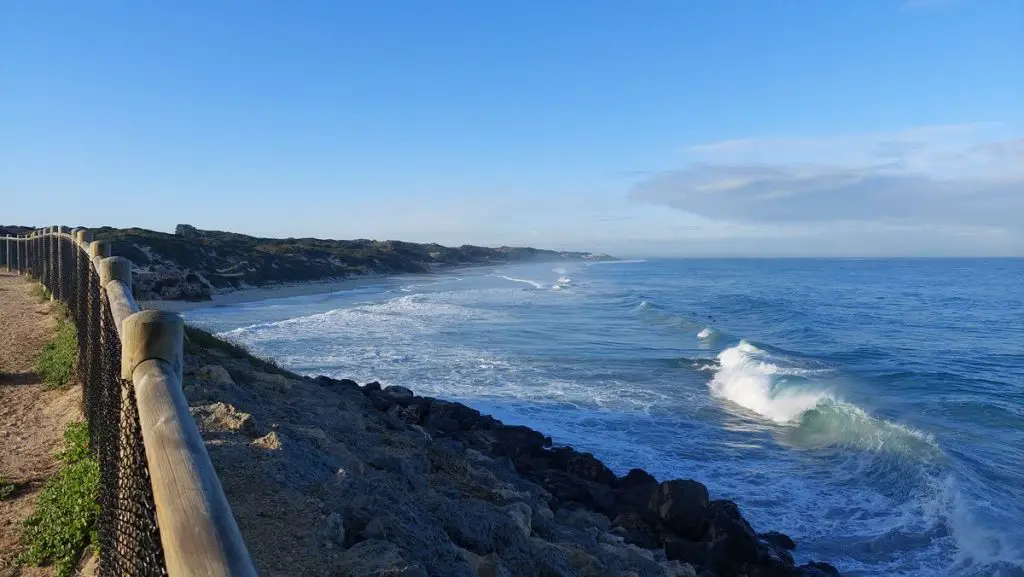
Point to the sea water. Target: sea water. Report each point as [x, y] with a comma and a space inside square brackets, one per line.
[871, 409]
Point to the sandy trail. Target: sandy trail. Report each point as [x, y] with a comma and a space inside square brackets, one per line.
[32, 419]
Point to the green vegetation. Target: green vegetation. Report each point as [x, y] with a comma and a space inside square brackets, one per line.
[63, 523]
[40, 292]
[198, 340]
[227, 260]
[7, 488]
[56, 363]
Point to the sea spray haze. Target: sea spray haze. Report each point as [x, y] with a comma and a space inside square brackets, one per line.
[872, 409]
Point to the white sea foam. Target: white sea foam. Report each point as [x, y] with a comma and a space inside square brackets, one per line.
[534, 283]
[705, 334]
[564, 280]
[745, 378]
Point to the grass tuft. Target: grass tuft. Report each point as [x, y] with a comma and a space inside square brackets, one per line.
[197, 340]
[63, 523]
[7, 488]
[40, 292]
[56, 362]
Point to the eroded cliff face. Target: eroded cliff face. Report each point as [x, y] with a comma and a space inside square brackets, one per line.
[194, 264]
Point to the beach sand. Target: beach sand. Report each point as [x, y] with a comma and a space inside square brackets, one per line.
[281, 291]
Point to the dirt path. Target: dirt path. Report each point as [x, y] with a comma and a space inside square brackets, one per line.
[32, 419]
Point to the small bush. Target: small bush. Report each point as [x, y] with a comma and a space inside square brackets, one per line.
[56, 363]
[63, 523]
[7, 488]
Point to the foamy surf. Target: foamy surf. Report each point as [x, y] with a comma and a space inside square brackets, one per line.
[532, 283]
[745, 377]
[775, 388]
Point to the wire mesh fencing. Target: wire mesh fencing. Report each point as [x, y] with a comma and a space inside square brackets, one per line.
[129, 538]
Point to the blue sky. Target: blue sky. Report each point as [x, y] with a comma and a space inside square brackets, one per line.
[761, 127]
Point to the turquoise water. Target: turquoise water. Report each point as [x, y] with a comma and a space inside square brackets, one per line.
[872, 409]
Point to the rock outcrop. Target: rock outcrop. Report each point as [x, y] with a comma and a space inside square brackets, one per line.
[675, 516]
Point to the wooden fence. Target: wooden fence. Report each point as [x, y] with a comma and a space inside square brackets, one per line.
[162, 507]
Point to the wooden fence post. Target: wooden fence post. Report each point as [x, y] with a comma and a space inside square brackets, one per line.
[83, 237]
[98, 249]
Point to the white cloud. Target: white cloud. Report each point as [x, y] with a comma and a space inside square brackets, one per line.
[962, 181]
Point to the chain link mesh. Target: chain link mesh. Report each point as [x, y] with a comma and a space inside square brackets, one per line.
[129, 538]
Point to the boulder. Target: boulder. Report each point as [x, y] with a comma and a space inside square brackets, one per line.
[215, 375]
[409, 414]
[778, 540]
[817, 569]
[522, 515]
[682, 506]
[686, 551]
[732, 543]
[329, 382]
[582, 465]
[377, 558]
[637, 530]
[397, 392]
[677, 569]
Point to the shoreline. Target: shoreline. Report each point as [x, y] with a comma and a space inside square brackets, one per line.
[270, 292]
[286, 290]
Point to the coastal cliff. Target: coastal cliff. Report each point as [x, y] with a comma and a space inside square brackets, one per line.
[327, 477]
[194, 264]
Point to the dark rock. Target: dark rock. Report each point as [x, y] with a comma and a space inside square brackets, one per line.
[637, 477]
[679, 549]
[518, 440]
[636, 492]
[397, 392]
[449, 418]
[818, 569]
[329, 382]
[732, 543]
[373, 387]
[682, 506]
[778, 540]
[638, 530]
[582, 465]
[409, 414]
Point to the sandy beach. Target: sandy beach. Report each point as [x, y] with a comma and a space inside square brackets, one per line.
[281, 291]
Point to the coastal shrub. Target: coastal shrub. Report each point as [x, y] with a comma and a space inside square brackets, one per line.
[198, 340]
[63, 523]
[56, 363]
[7, 488]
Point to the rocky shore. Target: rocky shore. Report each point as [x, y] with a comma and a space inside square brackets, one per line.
[327, 477]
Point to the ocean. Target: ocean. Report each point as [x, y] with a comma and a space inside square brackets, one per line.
[871, 409]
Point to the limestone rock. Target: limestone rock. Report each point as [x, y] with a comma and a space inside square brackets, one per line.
[214, 374]
[224, 417]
